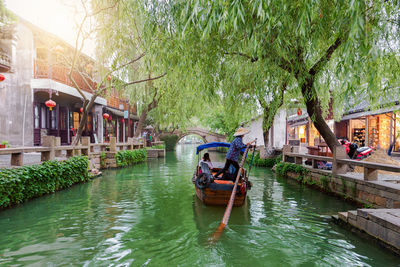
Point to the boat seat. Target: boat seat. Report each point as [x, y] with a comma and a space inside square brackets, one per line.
[223, 182]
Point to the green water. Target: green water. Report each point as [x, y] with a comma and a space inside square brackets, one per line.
[148, 215]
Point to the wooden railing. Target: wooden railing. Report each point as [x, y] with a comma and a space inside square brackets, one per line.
[51, 148]
[60, 73]
[340, 162]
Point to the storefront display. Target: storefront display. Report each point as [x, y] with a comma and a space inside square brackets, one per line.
[379, 131]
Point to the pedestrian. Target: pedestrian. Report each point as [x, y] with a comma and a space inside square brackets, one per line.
[233, 152]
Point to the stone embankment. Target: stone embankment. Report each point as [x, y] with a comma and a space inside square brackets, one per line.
[370, 189]
[381, 224]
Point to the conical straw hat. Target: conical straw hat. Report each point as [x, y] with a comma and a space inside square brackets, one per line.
[241, 131]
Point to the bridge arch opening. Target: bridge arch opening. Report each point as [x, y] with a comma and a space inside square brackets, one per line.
[191, 138]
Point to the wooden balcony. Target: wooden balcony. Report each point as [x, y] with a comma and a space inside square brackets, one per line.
[59, 73]
[5, 61]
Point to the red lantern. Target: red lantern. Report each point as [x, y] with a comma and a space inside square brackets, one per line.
[110, 118]
[122, 120]
[81, 110]
[109, 77]
[106, 116]
[50, 104]
[299, 112]
[2, 77]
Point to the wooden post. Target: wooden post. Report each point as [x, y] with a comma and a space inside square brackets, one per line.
[113, 144]
[17, 159]
[298, 160]
[48, 141]
[370, 174]
[285, 149]
[339, 152]
[86, 143]
[58, 144]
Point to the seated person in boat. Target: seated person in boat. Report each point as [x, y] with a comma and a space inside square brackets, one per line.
[233, 152]
[206, 159]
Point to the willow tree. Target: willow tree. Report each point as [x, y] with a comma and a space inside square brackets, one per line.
[316, 50]
[122, 37]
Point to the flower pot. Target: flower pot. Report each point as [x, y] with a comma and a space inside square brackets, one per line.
[2, 146]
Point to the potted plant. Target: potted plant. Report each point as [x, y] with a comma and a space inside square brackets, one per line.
[4, 144]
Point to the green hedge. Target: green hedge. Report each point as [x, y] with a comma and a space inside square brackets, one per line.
[20, 184]
[130, 157]
[257, 161]
[282, 168]
[170, 141]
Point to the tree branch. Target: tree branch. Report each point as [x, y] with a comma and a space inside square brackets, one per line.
[146, 80]
[326, 57]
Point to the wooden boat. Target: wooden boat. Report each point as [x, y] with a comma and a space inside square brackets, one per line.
[218, 192]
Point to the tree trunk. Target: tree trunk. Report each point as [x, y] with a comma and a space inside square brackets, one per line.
[315, 113]
[143, 116]
[86, 108]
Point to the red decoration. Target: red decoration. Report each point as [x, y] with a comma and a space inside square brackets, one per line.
[130, 122]
[299, 112]
[81, 110]
[50, 104]
[110, 118]
[122, 120]
[2, 77]
[109, 77]
[106, 116]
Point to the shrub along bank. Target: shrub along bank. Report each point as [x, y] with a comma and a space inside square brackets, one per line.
[130, 157]
[257, 161]
[18, 185]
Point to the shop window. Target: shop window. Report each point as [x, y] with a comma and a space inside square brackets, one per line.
[53, 120]
[397, 131]
[43, 112]
[37, 117]
[75, 120]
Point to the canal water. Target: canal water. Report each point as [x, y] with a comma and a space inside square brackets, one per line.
[148, 215]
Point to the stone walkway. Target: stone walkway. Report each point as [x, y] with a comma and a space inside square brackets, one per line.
[382, 224]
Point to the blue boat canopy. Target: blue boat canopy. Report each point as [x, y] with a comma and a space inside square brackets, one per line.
[213, 144]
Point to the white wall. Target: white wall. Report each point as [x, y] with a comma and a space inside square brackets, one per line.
[256, 131]
[279, 130]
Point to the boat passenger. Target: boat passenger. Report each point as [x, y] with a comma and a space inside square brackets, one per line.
[233, 152]
[206, 159]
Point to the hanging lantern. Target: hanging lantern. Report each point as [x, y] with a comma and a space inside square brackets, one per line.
[110, 118]
[299, 112]
[81, 110]
[2, 77]
[106, 116]
[50, 104]
[109, 78]
[122, 120]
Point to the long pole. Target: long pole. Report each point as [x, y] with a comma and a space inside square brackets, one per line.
[228, 210]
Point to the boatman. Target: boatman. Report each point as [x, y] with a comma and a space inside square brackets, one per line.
[233, 153]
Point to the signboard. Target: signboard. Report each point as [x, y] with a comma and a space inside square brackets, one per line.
[126, 114]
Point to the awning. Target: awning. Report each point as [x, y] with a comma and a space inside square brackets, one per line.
[369, 113]
[213, 144]
[299, 123]
[120, 113]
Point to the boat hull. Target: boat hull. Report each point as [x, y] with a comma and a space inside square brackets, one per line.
[216, 197]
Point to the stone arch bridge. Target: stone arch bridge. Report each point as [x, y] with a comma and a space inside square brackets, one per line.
[205, 134]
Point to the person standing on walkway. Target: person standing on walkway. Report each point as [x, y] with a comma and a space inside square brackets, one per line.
[233, 152]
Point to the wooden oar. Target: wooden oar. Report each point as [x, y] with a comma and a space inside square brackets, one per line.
[217, 234]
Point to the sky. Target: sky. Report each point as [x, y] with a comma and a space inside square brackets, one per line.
[59, 17]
